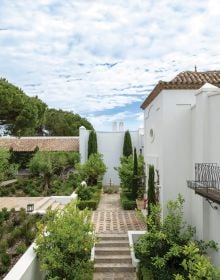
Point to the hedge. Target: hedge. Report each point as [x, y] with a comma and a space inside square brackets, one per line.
[127, 202]
[91, 204]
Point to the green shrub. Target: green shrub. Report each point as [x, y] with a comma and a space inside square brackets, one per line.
[3, 269]
[84, 193]
[92, 143]
[127, 201]
[16, 233]
[4, 191]
[92, 170]
[90, 204]
[29, 237]
[127, 145]
[22, 214]
[6, 259]
[128, 204]
[126, 172]
[168, 249]
[64, 252]
[11, 240]
[21, 248]
[151, 194]
[3, 246]
[5, 213]
[2, 229]
[144, 274]
[2, 217]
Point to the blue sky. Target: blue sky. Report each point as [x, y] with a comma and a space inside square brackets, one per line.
[101, 58]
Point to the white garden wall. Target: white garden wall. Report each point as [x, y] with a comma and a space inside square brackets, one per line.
[110, 145]
[26, 268]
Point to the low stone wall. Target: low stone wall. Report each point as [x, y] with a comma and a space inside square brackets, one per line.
[26, 268]
[64, 199]
[133, 237]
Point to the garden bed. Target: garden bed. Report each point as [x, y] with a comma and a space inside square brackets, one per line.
[89, 197]
[33, 186]
[17, 232]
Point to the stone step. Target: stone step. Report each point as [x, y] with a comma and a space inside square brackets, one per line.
[115, 276]
[40, 203]
[112, 243]
[108, 251]
[55, 205]
[113, 236]
[113, 259]
[46, 205]
[113, 267]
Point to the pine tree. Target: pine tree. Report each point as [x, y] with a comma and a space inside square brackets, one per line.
[92, 143]
[135, 182]
[151, 189]
[127, 147]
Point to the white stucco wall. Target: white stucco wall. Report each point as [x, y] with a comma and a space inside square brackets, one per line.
[186, 129]
[170, 150]
[206, 148]
[110, 145]
[176, 144]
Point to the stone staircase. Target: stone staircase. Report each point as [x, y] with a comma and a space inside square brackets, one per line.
[47, 202]
[112, 258]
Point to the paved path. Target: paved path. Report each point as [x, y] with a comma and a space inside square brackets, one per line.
[111, 218]
[111, 224]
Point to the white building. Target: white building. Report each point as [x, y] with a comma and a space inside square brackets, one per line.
[182, 127]
[110, 145]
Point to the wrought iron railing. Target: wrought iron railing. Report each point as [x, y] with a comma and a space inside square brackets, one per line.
[207, 176]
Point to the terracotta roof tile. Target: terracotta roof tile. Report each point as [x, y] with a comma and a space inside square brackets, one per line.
[184, 80]
[28, 144]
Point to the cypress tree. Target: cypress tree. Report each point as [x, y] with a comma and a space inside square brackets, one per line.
[151, 188]
[127, 147]
[135, 176]
[92, 143]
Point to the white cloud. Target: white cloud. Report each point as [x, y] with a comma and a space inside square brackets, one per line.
[65, 51]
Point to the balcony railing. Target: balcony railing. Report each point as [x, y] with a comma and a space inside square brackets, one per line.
[207, 181]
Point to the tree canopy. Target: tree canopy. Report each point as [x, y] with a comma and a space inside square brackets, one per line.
[92, 170]
[49, 163]
[22, 115]
[66, 124]
[7, 170]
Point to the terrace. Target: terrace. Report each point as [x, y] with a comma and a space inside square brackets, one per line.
[207, 181]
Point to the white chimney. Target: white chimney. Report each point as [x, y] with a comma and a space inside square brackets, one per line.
[121, 126]
[114, 126]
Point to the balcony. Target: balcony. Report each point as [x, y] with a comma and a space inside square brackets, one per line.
[207, 181]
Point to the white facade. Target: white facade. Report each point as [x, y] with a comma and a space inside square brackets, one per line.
[182, 127]
[110, 145]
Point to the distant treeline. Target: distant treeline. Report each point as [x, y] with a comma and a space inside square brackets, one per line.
[22, 115]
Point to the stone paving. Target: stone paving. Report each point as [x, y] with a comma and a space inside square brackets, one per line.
[111, 218]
